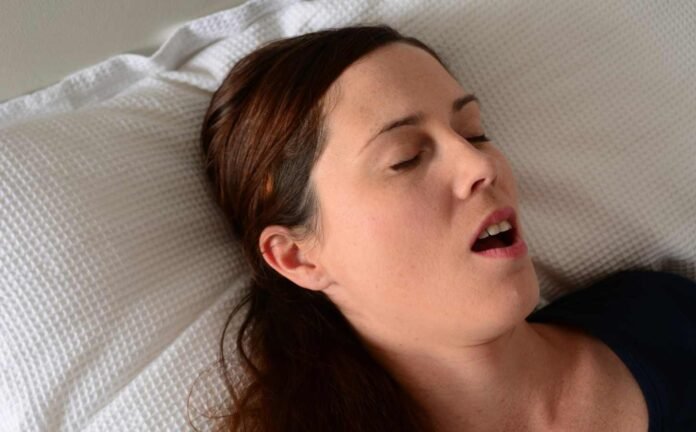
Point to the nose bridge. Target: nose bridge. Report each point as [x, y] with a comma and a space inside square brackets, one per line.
[471, 167]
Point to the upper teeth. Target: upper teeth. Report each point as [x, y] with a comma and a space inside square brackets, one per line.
[495, 229]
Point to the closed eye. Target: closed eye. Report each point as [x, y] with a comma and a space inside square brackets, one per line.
[414, 161]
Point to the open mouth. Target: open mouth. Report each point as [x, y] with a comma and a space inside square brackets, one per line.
[500, 240]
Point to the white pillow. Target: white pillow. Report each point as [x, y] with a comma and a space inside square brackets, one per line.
[117, 270]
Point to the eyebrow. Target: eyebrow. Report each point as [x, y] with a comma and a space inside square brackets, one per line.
[416, 118]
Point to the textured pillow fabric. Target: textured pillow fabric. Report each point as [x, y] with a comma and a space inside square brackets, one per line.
[117, 270]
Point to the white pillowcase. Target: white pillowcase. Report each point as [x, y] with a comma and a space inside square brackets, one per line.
[117, 270]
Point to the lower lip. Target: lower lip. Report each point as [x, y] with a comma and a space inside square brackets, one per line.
[516, 250]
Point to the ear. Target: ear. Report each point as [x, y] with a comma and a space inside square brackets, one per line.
[296, 260]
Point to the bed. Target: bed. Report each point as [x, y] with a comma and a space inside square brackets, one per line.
[117, 270]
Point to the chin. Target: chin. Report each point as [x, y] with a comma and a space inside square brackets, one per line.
[534, 294]
[527, 294]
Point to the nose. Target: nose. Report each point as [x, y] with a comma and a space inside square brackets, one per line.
[473, 167]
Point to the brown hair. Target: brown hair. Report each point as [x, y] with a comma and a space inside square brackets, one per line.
[305, 366]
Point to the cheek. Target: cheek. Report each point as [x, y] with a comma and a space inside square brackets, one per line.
[370, 227]
[390, 238]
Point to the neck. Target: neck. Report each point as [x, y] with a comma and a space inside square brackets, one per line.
[514, 382]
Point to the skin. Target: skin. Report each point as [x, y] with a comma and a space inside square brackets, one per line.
[394, 256]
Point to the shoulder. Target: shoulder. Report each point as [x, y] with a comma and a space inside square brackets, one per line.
[648, 318]
[651, 280]
[652, 302]
[655, 290]
[656, 308]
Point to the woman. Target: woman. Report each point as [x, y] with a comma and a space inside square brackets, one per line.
[358, 177]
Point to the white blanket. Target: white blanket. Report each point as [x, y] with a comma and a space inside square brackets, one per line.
[117, 270]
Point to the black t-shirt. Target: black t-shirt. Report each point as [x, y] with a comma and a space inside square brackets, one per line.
[648, 318]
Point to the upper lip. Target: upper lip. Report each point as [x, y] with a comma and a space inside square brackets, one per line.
[499, 215]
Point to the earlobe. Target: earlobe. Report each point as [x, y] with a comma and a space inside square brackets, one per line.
[284, 254]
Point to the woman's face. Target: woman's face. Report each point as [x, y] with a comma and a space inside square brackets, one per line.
[395, 244]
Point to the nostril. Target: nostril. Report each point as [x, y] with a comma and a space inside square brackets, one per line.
[477, 184]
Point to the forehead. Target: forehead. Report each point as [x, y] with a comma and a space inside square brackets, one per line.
[392, 81]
